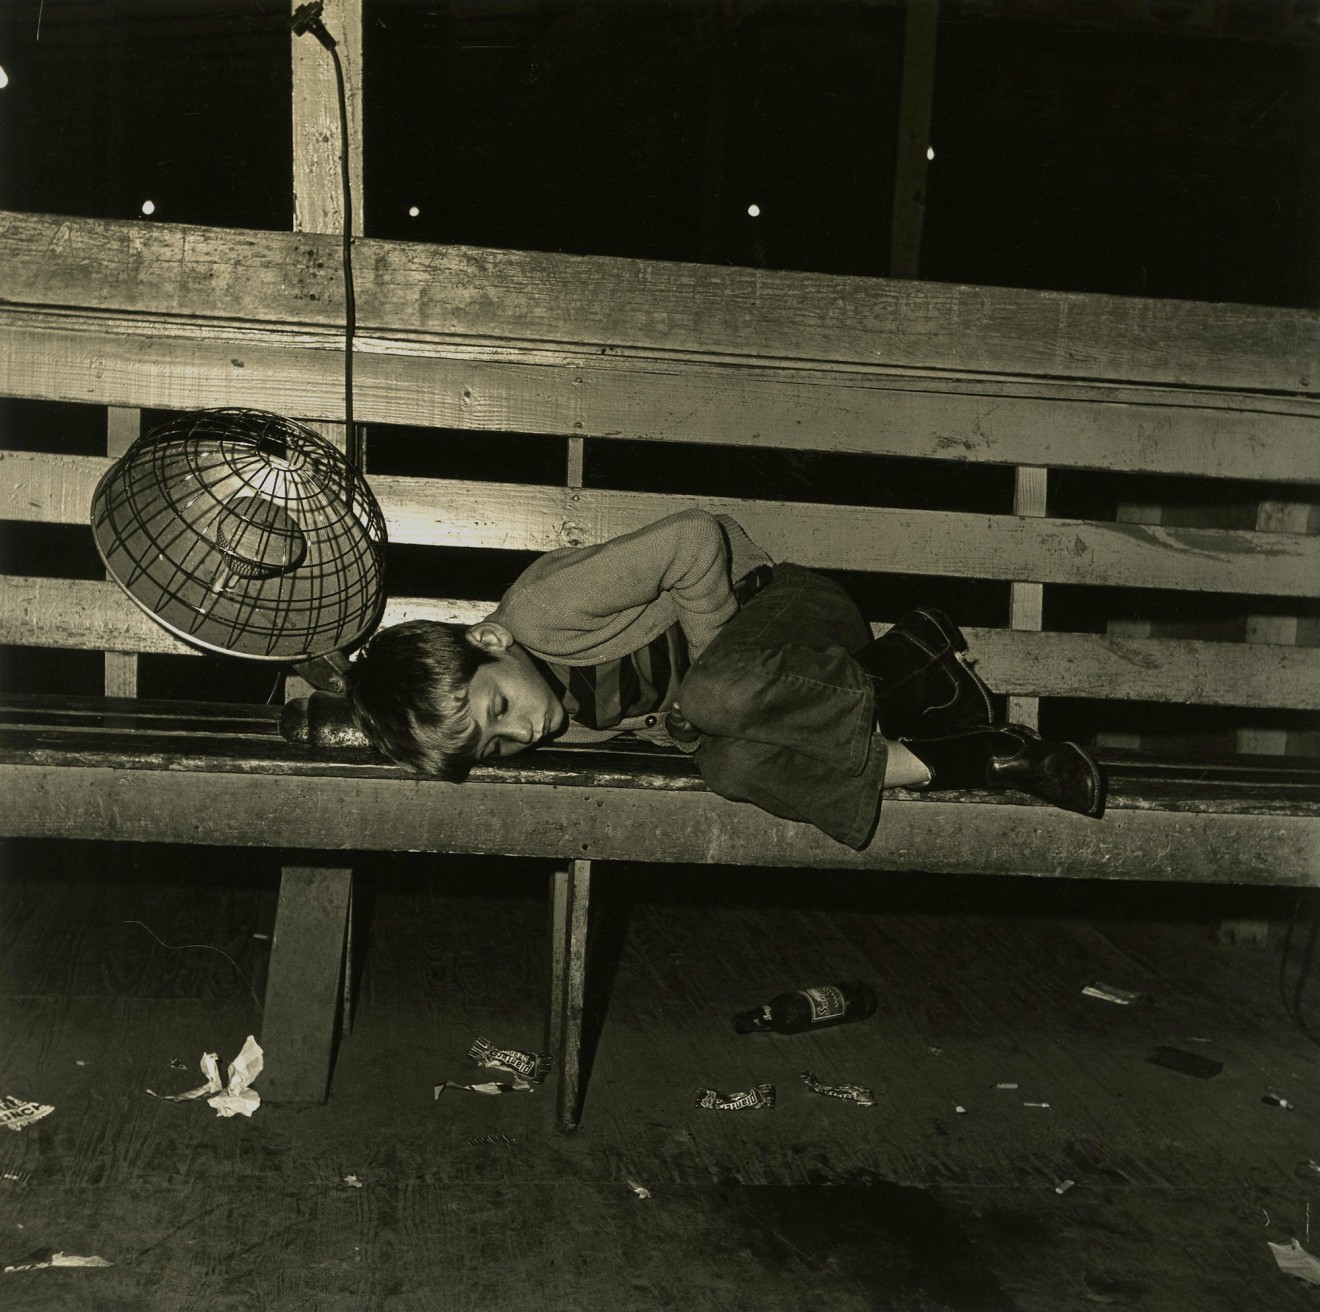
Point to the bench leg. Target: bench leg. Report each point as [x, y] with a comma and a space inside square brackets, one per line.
[304, 988]
[570, 892]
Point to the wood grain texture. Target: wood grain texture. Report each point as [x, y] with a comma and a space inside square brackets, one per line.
[1249, 843]
[1019, 548]
[551, 388]
[87, 615]
[493, 296]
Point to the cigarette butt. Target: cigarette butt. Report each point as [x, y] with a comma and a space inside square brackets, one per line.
[1063, 1186]
[1035, 1104]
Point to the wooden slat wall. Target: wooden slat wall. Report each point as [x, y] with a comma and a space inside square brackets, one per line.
[499, 300]
[1035, 549]
[93, 616]
[577, 348]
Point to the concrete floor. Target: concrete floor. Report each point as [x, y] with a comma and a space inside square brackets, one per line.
[387, 1198]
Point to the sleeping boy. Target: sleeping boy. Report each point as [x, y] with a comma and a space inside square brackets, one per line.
[685, 632]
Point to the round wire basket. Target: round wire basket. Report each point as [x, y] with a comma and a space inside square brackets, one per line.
[246, 533]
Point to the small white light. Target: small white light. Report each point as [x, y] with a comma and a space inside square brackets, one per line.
[753, 210]
[413, 211]
[148, 207]
[4, 78]
[930, 152]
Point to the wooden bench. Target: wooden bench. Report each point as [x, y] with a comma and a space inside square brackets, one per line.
[962, 445]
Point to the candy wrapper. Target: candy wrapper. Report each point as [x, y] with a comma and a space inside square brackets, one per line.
[847, 1092]
[19, 1113]
[533, 1066]
[763, 1095]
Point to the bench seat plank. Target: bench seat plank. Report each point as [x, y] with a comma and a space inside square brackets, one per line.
[1249, 841]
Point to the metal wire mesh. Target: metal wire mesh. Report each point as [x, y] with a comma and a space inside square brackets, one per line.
[244, 532]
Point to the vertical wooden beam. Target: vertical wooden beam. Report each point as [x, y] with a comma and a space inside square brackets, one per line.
[1281, 630]
[1026, 600]
[317, 184]
[301, 1017]
[122, 429]
[318, 198]
[919, 30]
[317, 195]
[570, 895]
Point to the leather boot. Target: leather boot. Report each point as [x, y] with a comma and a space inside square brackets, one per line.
[1016, 757]
[923, 686]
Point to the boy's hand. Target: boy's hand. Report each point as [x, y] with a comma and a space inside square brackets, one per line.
[685, 735]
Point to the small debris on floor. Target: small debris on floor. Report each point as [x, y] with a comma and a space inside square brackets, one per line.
[19, 1113]
[762, 1096]
[1294, 1260]
[639, 1189]
[233, 1097]
[1063, 1186]
[530, 1065]
[847, 1092]
[353, 1181]
[491, 1087]
[1273, 1100]
[1035, 1104]
[58, 1259]
[1108, 993]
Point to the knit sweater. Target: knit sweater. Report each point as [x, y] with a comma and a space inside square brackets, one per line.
[583, 605]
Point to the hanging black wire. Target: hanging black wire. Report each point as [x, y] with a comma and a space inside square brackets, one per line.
[307, 18]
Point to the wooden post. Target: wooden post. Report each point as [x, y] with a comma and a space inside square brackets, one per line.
[301, 1018]
[1281, 630]
[1026, 601]
[919, 29]
[570, 892]
[317, 183]
[317, 195]
[123, 426]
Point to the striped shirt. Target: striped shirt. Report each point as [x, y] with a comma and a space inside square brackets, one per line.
[603, 695]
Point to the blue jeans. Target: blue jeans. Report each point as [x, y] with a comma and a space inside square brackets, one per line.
[786, 716]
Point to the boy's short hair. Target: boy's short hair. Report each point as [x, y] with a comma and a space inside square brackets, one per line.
[409, 692]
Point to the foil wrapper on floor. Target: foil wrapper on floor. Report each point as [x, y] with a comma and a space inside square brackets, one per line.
[846, 1092]
[491, 1086]
[762, 1096]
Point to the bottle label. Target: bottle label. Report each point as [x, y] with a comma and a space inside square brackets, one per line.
[826, 1002]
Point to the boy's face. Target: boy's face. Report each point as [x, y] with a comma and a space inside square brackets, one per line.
[510, 701]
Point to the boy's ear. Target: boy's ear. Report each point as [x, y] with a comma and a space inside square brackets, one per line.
[490, 636]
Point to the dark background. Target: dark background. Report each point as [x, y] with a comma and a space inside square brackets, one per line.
[1161, 148]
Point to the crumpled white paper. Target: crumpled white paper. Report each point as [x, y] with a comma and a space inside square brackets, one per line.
[1294, 1260]
[234, 1098]
[59, 1259]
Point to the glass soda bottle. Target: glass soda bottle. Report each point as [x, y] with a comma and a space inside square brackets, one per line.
[809, 1009]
